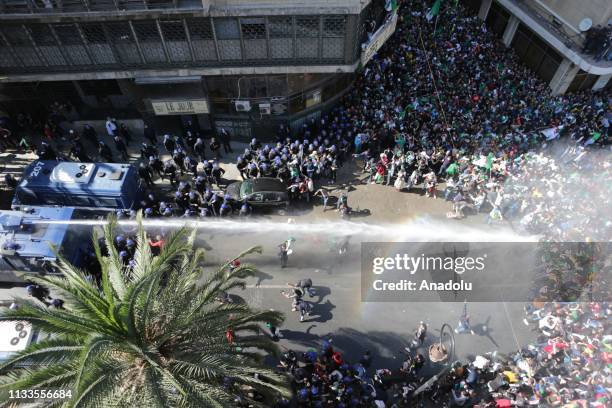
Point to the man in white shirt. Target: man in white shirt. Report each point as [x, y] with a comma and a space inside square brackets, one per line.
[111, 127]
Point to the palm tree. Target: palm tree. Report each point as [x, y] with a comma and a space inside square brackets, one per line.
[152, 334]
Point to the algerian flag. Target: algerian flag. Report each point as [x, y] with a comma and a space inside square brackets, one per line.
[390, 5]
[489, 165]
[402, 114]
[452, 169]
[435, 10]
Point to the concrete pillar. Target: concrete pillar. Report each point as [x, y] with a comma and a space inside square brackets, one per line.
[485, 6]
[601, 82]
[510, 30]
[563, 77]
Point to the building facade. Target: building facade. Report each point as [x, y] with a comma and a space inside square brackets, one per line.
[242, 64]
[554, 38]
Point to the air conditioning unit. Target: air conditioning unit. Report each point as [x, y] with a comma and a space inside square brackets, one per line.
[242, 106]
[265, 109]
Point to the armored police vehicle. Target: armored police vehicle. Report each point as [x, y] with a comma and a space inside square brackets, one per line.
[108, 186]
[27, 238]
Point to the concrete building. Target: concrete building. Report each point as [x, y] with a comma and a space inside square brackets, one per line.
[550, 37]
[246, 65]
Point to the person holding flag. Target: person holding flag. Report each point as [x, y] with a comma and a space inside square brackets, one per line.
[434, 11]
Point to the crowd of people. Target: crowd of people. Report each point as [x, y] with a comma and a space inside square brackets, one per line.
[568, 367]
[455, 105]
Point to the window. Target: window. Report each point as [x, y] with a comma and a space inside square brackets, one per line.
[201, 34]
[228, 36]
[42, 34]
[253, 28]
[307, 27]
[106, 202]
[281, 37]
[307, 31]
[94, 33]
[120, 33]
[227, 29]
[68, 34]
[173, 30]
[16, 35]
[334, 26]
[81, 201]
[280, 27]
[146, 31]
[200, 29]
[254, 36]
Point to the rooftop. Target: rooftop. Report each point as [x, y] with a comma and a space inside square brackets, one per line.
[26, 233]
[75, 176]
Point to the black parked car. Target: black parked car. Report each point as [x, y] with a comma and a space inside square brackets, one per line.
[261, 193]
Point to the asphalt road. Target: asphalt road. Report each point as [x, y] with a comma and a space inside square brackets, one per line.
[384, 328]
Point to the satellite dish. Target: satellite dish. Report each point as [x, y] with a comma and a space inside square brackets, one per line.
[585, 24]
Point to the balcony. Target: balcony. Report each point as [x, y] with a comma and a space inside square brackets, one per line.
[83, 6]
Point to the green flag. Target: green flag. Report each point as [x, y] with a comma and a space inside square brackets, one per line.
[452, 169]
[435, 10]
[391, 5]
[402, 114]
[490, 161]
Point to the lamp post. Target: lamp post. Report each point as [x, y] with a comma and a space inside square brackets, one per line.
[439, 352]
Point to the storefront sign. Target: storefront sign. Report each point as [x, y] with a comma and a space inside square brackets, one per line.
[189, 107]
[378, 39]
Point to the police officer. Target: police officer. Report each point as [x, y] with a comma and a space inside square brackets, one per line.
[214, 204]
[191, 165]
[156, 165]
[184, 187]
[181, 201]
[225, 139]
[225, 209]
[145, 173]
[195, 199]
[252, 171]
[89, 133]
[79, 153]
[169, 143]
[199, 148]
[208, 172]
[124, 132]
[217, 173]
[121, 147]
[105, 152]
[46, 152]
[200, 184]
[241, 165]
[170, 171]
[147, 151]
[254, 145]
[215, 147]
[245, 210]
[149, 133]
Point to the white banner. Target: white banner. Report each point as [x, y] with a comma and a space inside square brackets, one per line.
[378, 39]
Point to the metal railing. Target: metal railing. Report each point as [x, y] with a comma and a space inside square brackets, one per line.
[79, 6]
[551, 23]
